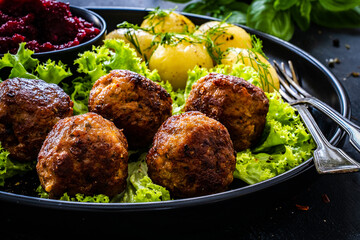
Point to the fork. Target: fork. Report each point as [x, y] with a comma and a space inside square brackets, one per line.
[327, 158]
[350, 128]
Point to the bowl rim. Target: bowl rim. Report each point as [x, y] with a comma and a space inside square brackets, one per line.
[91, 41]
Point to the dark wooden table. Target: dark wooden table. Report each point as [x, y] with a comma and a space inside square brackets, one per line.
[333, 201]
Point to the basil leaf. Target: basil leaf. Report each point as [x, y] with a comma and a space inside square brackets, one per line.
[179, 1]
[343, 19]
[339, 5]
[301, 14]
[225, 2]
[237, 17]
[262, 16]
[197, 8]
[284, 4]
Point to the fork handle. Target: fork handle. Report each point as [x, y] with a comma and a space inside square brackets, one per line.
[352, 129]
[327, 158]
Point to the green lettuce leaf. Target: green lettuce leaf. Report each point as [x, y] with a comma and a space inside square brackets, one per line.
[98, 198]
[140, 187]
[79, 91]
[114, 54]
[51, 72]
[22, 64]
[286, 144]
[9, 168]
[253, 168]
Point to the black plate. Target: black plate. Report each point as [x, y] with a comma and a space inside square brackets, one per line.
[315, 78]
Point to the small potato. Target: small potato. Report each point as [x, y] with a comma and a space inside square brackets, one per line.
[225, 35]
[173, 61]
[164, 21]
[268, 75]
[140, 40]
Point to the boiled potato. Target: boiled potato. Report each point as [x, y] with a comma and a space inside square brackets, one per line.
[225, 35]
[164, 21]
[174, 60]
[268, 75]
[142, 41]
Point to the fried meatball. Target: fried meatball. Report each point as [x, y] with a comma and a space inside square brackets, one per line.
[236, 103]
[29, 109]
[192, 155]
[133, 102]
[83, 154]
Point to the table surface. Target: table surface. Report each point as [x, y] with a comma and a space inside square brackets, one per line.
[334, 209]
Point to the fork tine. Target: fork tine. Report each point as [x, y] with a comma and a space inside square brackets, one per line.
[295, 83]
[291, 81]
[285, 84]
[285, 95]
[288, 89]
[293, 74]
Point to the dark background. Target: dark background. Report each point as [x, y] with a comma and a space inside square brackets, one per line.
[332, 201]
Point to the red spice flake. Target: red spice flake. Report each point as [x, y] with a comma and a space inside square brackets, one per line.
[325, 198]
[302, 208]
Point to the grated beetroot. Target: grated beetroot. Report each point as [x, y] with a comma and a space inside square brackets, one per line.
[45, 25]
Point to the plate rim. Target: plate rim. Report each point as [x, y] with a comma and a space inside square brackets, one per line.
[345, 109]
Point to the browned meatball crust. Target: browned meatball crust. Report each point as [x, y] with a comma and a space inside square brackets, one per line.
[192, 155]
[29, 109]
[83, 154]
[133, 102]
[239, 105]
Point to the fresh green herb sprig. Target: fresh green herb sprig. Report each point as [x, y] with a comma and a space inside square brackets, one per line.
[159, 13]
[279, 17]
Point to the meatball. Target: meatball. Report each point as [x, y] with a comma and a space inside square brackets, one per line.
[29, 108]
[236, 103]
[133, 102]
[83, 154]
[192, 155]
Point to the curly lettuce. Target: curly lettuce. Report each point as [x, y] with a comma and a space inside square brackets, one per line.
[286, 144]
[9, 168]
[52, 72]
[97, 198]
[23, 65]
[140, 187]
[114, 54]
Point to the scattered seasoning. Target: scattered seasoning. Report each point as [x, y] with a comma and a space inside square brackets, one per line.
[347, 46]
[325, 198]
[355, 74]
[302, 208]
[331, 62]
[336, 42]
